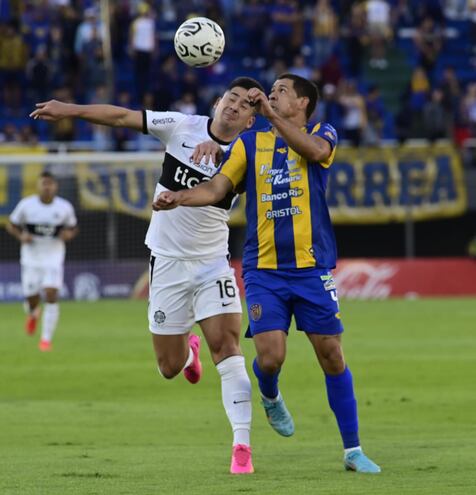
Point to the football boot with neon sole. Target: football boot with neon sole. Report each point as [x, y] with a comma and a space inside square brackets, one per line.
[193, 373]
[241, 462]
[278, 416]
[357, 461]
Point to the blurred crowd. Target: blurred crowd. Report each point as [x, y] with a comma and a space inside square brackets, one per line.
[386, 69]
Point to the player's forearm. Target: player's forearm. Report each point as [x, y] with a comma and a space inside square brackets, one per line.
[67, 234]
[206, 193]
[14, 231]
[109, 115]
[202, 195]
[303, 144]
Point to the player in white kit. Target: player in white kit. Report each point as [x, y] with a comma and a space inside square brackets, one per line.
[42, 223]
[190, 276]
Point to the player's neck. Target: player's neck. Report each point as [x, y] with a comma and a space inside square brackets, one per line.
[47, 199]
[222, 131]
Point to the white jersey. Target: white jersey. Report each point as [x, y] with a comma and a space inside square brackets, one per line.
[43, 221]
[186, 233]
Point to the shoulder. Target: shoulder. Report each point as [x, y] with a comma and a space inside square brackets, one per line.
[63, 203]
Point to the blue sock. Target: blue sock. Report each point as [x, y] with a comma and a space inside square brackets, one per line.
[340, 393]
[268, 384]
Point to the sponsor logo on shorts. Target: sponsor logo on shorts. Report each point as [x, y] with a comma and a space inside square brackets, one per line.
[159, 317]
[337, 315]
[255, 312]
[330, 284]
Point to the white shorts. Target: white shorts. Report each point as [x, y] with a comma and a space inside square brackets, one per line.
[34, 278]
[183, 292]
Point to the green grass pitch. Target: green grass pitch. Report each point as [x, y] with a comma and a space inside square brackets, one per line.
[95, 417]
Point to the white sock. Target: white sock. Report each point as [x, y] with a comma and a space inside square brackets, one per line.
[352, 449]
[236, 396]
[189, 359]
[50, 319]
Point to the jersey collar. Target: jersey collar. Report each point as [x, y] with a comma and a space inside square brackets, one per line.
[210, 133]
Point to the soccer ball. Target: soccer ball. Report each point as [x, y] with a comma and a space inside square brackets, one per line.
[199, 42]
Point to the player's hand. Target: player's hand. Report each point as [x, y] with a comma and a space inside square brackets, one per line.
[26, 237]
[167, 200]
[207, 150]
[261, 102]
[66, 234]
[50, 110]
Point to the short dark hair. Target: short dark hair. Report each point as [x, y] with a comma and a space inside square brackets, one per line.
[46, 174]
[304, 87]
[246, 83]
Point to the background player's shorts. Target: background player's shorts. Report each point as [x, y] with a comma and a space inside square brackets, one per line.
[34, 278]
[273, 296]
[183, 292]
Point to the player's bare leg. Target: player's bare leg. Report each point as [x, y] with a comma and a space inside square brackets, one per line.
[32, 309]
[176, 353]
[340, 392]
[271, 350]
[222, 333]
[50, 319]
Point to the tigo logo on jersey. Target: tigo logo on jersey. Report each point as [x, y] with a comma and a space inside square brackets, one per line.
[255, 312]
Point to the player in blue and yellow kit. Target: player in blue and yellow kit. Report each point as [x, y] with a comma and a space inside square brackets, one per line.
[289, 250]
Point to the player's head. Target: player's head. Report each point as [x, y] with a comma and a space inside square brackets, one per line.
[47, 186]
[234, 108]
[292, 94]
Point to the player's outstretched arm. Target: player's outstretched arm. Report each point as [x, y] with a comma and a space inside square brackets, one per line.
[206, 193]
[109, 115]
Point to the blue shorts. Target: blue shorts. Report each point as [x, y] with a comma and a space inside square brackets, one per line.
[273, 296]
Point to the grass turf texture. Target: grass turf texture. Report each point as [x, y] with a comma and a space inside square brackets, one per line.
[94, 416]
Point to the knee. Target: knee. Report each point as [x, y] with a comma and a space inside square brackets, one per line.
[333, 360]
[270, 363]
[168, 369]
[224, 348]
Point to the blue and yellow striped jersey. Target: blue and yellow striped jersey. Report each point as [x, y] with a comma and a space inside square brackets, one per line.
[288, 222]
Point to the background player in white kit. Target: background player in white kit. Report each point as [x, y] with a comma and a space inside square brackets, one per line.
[190, 277]
[43, 223]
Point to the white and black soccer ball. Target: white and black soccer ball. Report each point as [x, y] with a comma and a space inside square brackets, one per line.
[199, 42]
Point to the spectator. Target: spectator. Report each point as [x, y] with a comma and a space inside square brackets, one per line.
[428, 43]
[329, 109]
[27, 136]
[375, 117]
[186, 104]
[468, 108]
[332, 71]
[39, 75]
[252, 17]
[451, 89]
[325, 30]
[9, 133]
[58, 57]
[379, 31]
[435, 121]
[13, 60]
[93, 68]
[357, 38]
[89, 28]
[168, 87]
[142, 47]
[285, 19]
[354, 119]
[300, 68]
